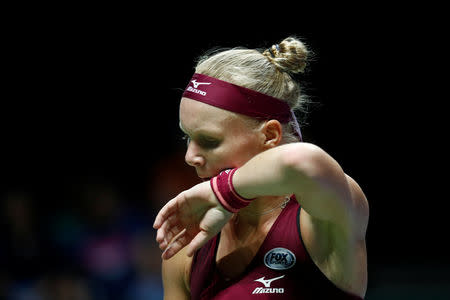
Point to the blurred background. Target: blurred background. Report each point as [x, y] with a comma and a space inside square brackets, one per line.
[91, 148]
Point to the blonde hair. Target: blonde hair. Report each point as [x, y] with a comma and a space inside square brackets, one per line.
[269, 72]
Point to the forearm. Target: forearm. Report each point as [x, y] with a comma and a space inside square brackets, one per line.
[305, 170]
[266, 174]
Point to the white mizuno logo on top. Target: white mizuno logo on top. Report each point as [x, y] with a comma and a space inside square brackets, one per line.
[196, 84]
[268, 282]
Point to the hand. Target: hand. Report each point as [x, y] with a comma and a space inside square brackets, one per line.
[191, 218]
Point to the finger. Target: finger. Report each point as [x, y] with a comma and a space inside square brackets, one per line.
[180, 241]
[211, 224]
[198, 241]
[161, 239]
[165, 212]
[170, 234]
[164, 229]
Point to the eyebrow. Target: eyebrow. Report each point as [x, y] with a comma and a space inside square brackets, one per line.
[202, 134]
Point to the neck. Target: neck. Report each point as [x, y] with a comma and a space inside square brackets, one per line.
[259, 215]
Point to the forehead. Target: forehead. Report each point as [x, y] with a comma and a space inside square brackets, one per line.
[198, 115]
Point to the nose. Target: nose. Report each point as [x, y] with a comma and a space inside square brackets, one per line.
[193, 156]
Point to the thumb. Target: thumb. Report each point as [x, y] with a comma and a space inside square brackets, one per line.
[198, 241]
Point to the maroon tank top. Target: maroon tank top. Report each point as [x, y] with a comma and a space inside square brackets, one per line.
[281, 269]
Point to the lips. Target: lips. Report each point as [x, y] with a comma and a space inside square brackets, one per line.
[209, 178]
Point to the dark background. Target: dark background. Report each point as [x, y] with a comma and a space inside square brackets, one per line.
[91, 99]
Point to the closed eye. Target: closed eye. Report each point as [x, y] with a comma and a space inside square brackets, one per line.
[208, 142]
[203, 141]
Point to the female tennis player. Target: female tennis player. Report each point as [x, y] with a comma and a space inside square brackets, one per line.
[276, 217]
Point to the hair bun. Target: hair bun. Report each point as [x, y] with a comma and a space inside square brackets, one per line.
[289, 56]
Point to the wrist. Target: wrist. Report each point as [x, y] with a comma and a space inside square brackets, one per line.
[222, 186]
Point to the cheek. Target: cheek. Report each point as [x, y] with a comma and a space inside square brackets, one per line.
[244, 149]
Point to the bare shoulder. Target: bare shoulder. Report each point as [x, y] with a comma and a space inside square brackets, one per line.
[176, 276]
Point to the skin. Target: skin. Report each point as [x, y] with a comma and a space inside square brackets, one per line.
[334, 212]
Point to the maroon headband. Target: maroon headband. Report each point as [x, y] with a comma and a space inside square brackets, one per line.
[239, 99]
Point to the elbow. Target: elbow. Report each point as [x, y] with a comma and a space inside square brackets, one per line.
[322, 185]
[309, 169]
[302, 159]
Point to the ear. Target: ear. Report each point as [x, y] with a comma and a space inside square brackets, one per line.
[273, 132]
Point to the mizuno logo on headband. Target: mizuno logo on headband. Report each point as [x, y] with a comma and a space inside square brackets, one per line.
[191, 89]
[196, 84]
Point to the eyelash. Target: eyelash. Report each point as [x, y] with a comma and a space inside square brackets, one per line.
[203, 143]
[186, 138]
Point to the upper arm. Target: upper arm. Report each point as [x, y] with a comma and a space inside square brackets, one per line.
[175, 276]
[340, 251]
[322, 187]
[360, 205]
